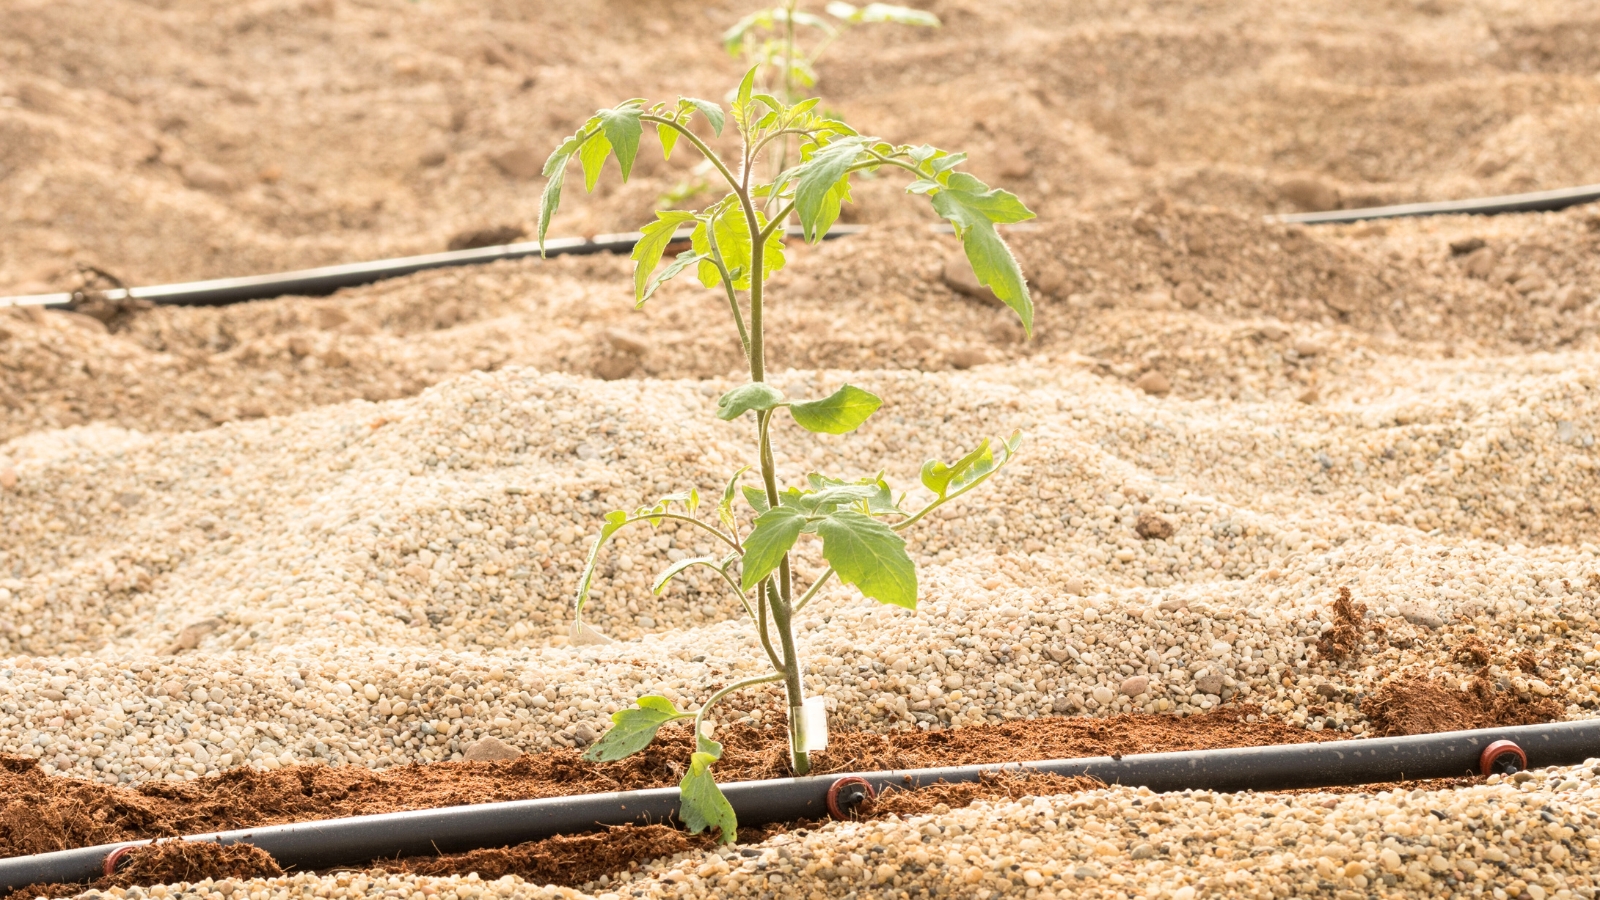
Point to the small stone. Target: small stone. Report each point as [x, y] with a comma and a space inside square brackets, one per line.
[8, 479]
[1172, 605]
[489, 748]
[519, 162]
[492, 236]
[1086, 872]
[1103, 694]
[1154, 383]
[1309, 346]
[1152, 527]
[967, 357]
[434, 153]
[1309, 194]
[1074, 587]
[189, 638]
[206, 177]
[1480, 263]
[1466, 245]
[627, 342]
[1143, 851]
[1209, 684]
[1032, 877]
[1420, 614]
[1308, 396]
[1188, 296]
[1136, 685]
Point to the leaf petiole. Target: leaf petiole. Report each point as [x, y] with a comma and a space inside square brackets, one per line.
[816, 586]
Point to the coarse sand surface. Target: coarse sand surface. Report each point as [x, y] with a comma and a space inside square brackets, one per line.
[1307, 483]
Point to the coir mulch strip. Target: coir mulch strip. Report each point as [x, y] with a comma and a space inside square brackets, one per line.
[44, 813]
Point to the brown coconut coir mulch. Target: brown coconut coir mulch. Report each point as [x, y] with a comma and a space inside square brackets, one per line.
[45, 813]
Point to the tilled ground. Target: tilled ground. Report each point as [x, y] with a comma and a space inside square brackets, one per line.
[1340, 481]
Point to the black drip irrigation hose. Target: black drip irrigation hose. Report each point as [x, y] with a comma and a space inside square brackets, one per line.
[363, 839]
[1539, 201]
[325, 280]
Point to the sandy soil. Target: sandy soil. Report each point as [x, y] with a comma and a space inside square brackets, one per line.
[169, 142]
[346, 530]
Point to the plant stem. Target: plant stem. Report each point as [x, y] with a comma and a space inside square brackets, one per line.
[781, 594]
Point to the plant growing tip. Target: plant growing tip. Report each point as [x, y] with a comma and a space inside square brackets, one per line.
[735, 245]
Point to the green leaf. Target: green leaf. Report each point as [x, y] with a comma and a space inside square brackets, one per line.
[647, 252]
[613, 521]
[757, 395]
[730, 233]
[701, 804]
[883, 12]
[942, 479]
[873, 491]
[706, 745]
[756, 497]
[869, 555]
[841, 412]
[593, 155]
[725, 508]
[555, 169]
[711, 111]
[816, 178]
[775, 533]
[973, 210]
[622, 129]
[741, 99]
[678, 568]
[669, 139]
[683, 260]
[633, 729]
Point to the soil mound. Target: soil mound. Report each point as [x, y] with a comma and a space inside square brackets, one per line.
[1423, 706]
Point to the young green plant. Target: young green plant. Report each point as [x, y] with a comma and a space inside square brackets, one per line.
[735, 248]
[769, 39]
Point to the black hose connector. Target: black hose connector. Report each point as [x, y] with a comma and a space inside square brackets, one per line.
[846, 796]
[1502, 758]
[425, 832]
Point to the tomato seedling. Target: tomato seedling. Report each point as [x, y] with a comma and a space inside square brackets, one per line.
[735, 247]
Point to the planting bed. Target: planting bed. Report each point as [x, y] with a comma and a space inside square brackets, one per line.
[257, 561]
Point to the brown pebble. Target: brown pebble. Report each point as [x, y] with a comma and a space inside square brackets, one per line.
[1135, 686]
[1074, 586]
[1308, 396]
[968, 357]
[1154, 384]
[1188, 296]
[8, 479]
[1153, 527]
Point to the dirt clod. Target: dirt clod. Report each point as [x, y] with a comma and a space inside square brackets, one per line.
[1152, 527]
[1344, 639]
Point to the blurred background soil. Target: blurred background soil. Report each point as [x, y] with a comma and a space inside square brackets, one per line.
[159, 141]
